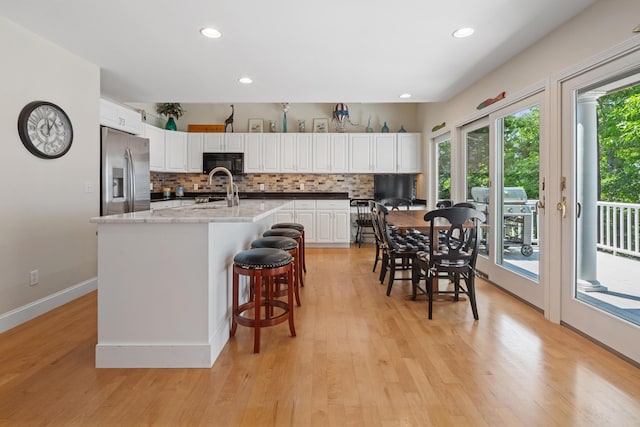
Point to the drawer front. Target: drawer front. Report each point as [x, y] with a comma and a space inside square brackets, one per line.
[332, 204]
[305, 204]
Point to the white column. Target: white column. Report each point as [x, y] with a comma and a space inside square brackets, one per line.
[587, 192]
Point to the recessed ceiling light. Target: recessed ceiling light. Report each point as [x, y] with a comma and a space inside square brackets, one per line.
[245, 80]
[463, 32]
[212, 33]
[405, 95]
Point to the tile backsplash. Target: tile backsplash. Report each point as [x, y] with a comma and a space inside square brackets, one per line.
[359, 186]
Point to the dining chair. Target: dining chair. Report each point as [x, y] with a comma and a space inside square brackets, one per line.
[396, 202]
[363, 220]
[454, 256]
[377, 233]
[399, 250]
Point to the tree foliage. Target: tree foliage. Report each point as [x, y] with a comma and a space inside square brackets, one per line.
[619, 145]
[521, 160]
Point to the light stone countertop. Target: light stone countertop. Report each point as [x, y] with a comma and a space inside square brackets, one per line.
[247, 211]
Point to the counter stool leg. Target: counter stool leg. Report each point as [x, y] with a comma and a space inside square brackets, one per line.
[304, 260]
[292, 328]
[256, 313]
[234, 304]
[297, 264]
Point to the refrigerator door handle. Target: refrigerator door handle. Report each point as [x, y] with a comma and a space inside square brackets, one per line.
[132, 180]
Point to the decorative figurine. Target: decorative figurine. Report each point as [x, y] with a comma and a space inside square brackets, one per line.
[229, 120]
[369, 129]
[340, 117]
[438, 127]
[490, 101]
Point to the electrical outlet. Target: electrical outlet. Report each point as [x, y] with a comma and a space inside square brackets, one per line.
[34, 278]
[195, 186]
[261, 187]
[301, 186]
[88, 187]
[151, 186]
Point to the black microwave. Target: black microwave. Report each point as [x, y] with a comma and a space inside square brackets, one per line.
[232, 161]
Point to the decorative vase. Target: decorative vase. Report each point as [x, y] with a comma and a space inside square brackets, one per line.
[385, 128]
[402, 129]
[171, 124]
[284, 122]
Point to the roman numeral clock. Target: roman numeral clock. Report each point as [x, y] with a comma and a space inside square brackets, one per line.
[45, 129]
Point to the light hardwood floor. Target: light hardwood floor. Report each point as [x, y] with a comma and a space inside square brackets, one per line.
[360, 358]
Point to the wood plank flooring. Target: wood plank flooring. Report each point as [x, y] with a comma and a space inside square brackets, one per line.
[360, 358]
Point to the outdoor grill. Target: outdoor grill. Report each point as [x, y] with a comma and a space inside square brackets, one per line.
[517, 216]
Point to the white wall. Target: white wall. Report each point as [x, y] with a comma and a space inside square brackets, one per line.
[603, 25]
[395, 114]
[599, 27]
[44, 221]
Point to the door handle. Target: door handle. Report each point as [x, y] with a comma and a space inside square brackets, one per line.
[579, 208]
[540, 204]
[562, 207]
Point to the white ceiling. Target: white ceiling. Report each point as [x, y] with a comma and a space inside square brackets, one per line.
[294, 50]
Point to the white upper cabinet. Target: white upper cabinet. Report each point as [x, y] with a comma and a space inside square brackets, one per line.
[295, 152]
[175, 151]
[360, 153]
[409, 153]
[194, 151]
[262, 152]
[384, 153]
[372, 153]
[156, 147]
[120, 117]
[330, 152]
[223, 142]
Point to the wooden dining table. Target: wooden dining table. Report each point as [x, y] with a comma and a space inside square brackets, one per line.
[413, 219]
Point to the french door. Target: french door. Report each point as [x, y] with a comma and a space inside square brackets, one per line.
[503, 180]
[600, 203]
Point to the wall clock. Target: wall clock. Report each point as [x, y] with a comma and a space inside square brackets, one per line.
[45, 129]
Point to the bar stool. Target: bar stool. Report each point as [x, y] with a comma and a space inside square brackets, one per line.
[293, 234]
[300, 228]
[291, 246]
[262, 266]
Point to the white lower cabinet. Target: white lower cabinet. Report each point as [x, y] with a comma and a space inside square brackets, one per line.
[332, 221]
[326, 222]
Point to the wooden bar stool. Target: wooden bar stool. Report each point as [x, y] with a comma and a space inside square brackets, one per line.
[262, 266]
[300, 228]
[291, 246]
[293, 234]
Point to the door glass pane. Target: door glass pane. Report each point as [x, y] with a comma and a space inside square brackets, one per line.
[477, 143]
[608, 197]
[519, 140]
[443, 157]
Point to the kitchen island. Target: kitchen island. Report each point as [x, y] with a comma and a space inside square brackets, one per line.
[164, 281]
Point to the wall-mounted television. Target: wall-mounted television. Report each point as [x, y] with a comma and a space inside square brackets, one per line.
[385, 186]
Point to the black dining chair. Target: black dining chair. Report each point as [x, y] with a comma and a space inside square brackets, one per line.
[396, 202]
[363, 220]
[377, 233]
[453, 257]
[399, 250]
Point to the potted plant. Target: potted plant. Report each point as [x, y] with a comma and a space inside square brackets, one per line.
[173, 110]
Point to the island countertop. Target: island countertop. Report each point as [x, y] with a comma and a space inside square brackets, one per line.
[247, 211]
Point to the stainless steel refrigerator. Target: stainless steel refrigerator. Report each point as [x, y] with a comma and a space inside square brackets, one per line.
[124, 172]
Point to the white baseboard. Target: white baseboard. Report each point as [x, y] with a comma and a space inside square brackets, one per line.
[23, 314]
[178, 355]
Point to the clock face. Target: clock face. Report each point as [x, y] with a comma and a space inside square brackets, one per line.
[45, 129]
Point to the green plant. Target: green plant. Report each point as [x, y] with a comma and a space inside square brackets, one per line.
[170, 109]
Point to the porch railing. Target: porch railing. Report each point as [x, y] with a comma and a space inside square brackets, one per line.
[618, 228]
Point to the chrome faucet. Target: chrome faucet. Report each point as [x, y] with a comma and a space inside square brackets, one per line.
[232, 189]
